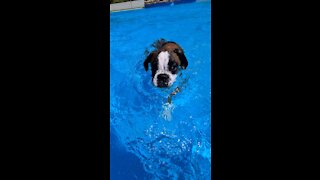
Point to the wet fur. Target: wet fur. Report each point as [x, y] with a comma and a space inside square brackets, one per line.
[166, 58]
[174, 50]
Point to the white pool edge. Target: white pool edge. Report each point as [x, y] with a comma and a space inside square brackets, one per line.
[133, 5]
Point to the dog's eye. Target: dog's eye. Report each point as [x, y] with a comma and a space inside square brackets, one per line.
[174, 69]
[173, 66]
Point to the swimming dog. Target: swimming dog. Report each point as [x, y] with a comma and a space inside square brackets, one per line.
[166, 60]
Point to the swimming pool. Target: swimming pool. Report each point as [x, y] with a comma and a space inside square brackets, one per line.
[151, 139]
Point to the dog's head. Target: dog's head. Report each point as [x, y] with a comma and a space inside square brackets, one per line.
[166, 61]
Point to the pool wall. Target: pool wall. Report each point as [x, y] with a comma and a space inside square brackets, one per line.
[138, 4]
[168, 3]
[127, 5]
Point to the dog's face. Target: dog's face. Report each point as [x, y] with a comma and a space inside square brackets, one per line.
[164, 70]
[165, 64]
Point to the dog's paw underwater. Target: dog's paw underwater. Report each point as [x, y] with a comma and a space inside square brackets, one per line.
[167, 60]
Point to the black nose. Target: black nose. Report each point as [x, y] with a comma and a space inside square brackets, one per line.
[163, 77]
[163, 80]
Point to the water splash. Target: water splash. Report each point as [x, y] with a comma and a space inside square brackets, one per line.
[167, 111]
[168, 140]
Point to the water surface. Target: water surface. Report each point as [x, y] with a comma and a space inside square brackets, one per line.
[151, 139]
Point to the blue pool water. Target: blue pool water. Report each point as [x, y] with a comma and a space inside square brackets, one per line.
[151, 139]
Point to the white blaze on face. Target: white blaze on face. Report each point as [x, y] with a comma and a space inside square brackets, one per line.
[163, 61]
[163, 68]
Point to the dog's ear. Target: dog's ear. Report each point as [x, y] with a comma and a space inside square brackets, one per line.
[148, 60]
[182, 57]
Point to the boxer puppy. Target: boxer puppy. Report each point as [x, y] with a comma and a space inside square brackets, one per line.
[166, 60]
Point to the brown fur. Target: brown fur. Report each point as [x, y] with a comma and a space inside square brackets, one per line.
[171, 47]
[175, 51]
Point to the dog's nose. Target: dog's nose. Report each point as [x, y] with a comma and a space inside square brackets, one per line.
[163, 77]
[163, 80]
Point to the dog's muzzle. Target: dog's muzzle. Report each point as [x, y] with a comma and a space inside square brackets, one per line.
[163, 80]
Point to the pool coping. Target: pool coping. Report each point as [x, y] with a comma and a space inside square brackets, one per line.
[133, 5]
[130, 5]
